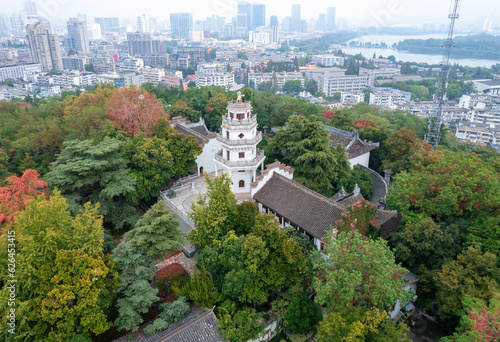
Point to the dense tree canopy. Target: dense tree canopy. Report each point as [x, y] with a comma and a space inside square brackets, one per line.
[361, 324]
[358, 272]
[480, 323]
[134, 110]
[55, 254]
[213, 210]
[304, 145]
[96, 172]
[152, 167]
[456, 184]
[18, 192]
[424, 242]
[154, 235]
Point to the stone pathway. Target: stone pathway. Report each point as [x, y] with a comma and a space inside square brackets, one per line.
[181, 259]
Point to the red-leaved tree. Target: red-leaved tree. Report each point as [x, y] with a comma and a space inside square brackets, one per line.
[18, 192]
[134, 111]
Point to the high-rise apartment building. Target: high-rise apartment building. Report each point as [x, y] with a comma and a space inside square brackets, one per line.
[17, 22]
[77, 31]
[330, 19]
[244, 17]
[181, 24]
[30, 8]
[142, 23]
[153, 25]
[143, 43]
[258, 15]
[321, 23]
[273, 21]
[94, 31]
[295, 23]
[108, 25]
[44, 46]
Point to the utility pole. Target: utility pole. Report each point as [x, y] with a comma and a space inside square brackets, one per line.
[432, 136]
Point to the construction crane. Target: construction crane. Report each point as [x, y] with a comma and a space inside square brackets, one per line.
[432, 136]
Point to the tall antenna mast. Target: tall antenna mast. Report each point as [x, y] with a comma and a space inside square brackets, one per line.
[432, 136]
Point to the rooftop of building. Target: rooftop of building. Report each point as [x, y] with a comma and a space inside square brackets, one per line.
[198, 129]
[304, 207]
[351, 142]
[199, 325]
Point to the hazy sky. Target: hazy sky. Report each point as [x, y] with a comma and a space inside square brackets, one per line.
[377, 12]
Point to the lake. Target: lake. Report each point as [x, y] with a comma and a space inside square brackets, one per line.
[408, 56]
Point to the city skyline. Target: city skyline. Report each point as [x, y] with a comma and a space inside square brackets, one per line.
[356, 12]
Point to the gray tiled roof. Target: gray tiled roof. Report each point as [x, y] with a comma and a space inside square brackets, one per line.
[200, 128]
[300, 205]
[199, 325]
[188, 132]
[350, 199]
[351, 142]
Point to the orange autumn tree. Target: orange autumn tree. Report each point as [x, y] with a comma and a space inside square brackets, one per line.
[18, 192]
[361, 124]
[134, 111]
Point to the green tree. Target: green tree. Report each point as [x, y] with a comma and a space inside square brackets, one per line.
[244, 219]
[244, 325]
[358, 272]
[200, 289]
[216, 109]
[75, 288]
[184, 150]
[155, 235]
[272, 261]
[483, 232]
[265, 86]
[89, 67]
[355, 176]
[305, 146]
[62, 273]
[360, 324]
[338, 119]
[453, 91]
[473, 273]
[9, 82]
[456, 185]
[301, 315]
[311, 86]
[212, 211]
[242, 55]
[401, 147]
[353, 67]
[292, 88]
[423, 242]
[171, 312]
[96, 172]
[185, 110]
[481, 323]
[151, 165]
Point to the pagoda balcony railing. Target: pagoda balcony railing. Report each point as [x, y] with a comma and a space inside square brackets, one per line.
[240, 163]
[236, 122]
[239, 142]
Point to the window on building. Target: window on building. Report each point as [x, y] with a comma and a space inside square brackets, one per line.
[242, 154]
[227, 134]
[240, 116]
[227, 153]
[241, 184]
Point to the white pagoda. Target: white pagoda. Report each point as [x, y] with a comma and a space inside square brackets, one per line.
[239, 156]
